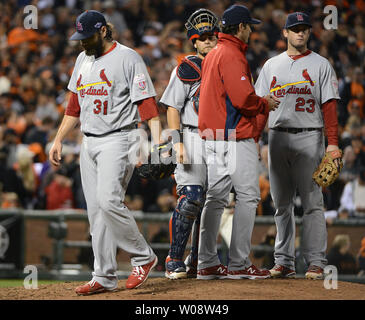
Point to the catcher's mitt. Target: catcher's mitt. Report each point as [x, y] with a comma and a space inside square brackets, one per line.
[327, 171]
[159, 166]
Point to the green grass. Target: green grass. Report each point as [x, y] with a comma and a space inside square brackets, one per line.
[6, 283]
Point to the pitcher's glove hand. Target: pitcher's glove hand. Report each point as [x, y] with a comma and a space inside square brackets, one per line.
[327, 171]
[161, 163]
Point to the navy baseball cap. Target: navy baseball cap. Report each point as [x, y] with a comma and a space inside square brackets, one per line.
[87, 23]
[297, 18]
[237, 14]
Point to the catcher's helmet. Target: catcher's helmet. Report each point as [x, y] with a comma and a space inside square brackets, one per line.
[201, 21]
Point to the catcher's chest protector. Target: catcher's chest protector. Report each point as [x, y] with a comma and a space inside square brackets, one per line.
[189, 71]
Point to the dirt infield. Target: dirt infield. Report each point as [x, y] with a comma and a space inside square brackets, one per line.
[192, 289]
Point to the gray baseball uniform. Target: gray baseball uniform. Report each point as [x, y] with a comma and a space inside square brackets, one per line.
[231, 117]
[191, 176]
[180, 96]
[296, 147]
[230, 164]
[108, 88]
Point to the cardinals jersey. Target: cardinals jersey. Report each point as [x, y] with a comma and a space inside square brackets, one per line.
[302, 83]
[109, 87]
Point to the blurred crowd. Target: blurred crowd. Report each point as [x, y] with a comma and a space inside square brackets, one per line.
[36, 65]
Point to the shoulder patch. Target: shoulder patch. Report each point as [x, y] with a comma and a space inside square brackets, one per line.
[189, 70]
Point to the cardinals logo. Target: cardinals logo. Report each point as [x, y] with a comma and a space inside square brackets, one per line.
[281, 91]
[79, 26]
[275, 88]
[78, 83]
[307, 77]
[273, 82]
[93, 89]
[104, 78]
[300, 17]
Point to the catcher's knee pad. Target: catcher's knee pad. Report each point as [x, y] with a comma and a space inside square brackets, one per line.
[191, 200]
[189, 206]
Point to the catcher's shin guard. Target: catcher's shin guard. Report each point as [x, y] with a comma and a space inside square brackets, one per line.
[190, 202]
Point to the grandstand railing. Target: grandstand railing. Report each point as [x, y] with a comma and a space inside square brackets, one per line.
[64, 215]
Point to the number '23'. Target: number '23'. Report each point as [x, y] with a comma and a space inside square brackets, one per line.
[301, 105]
[98, 108]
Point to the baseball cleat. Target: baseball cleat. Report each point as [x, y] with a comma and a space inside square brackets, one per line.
[279, 271]
[176, 274]
[93, 287]
[211, 273]
[191, 267]
[252, 272]
[191, 271]
[140, 274]
[314, 273]
[175, 269]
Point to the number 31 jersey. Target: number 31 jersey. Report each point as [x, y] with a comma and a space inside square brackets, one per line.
[302, 84]
[109, 87]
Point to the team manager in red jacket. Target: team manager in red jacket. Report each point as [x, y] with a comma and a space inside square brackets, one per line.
[231, 118]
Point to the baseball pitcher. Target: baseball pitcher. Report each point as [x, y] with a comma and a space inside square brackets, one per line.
[307, 87]
[111, 93]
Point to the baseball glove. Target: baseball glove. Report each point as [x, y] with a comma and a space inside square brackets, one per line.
[161, 163]
[327, 171]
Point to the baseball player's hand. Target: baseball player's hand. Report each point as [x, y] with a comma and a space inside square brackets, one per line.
[331, 148]
[180, 152]
[273, 102]
[55, 153]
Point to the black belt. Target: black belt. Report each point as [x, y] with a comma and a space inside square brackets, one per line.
[129, 127]
[296, 130]
[191, 128]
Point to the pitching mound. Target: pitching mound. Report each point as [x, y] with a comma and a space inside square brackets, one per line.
[192, 289]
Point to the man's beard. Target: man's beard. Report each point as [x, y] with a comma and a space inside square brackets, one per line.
[96, 50]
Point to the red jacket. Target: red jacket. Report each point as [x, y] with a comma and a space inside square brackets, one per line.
[227, 96]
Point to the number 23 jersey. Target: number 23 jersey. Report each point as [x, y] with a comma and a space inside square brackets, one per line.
[109, 87]
[302, 83]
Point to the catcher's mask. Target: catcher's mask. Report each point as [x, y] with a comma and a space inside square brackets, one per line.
[201, 21]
